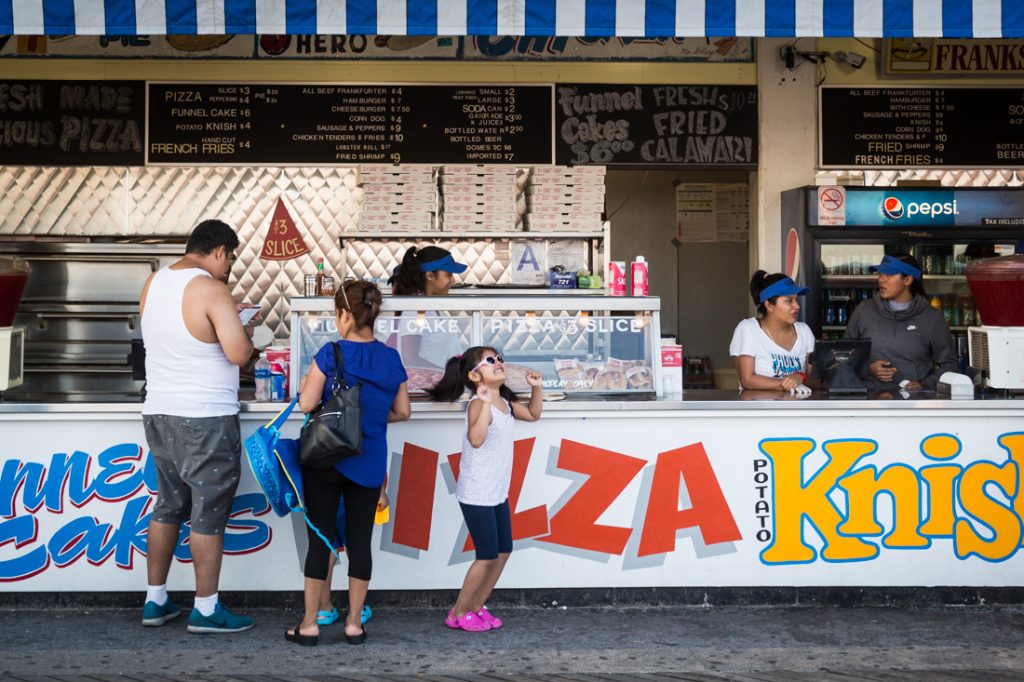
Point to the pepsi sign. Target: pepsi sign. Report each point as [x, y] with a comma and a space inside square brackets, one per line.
[892, 208]
[902, 208]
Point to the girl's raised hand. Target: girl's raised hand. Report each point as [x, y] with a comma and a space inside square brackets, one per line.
[533, 378]
[484, 394]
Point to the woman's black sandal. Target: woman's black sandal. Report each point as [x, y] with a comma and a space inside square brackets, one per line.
[301, 639]
[356, 639]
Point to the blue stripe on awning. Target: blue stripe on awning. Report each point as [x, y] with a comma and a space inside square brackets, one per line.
[956, 16]
[482, 17]
[119, 14]
[181, 17]
[238, 14]
[600, 20]
[719, 18]
[898, 18]
[1013, 26]
[58, 14]
[360, 16]
[603, 18]
[421, 16]
[540, 17]
[779, 18]
[300, 16]
[660, 19]
[838, 17]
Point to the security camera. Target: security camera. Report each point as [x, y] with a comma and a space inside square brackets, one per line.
[789, 57]
[852, 58]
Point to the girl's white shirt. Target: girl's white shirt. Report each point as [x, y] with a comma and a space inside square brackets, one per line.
[485, 473]
[771, 359]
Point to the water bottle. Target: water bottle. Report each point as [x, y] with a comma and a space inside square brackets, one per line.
[263, 378]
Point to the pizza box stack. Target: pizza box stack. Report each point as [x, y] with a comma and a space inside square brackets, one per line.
[479, 198]
[565, 199]
[400, 198]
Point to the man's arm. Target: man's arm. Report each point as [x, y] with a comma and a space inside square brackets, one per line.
[223, 315]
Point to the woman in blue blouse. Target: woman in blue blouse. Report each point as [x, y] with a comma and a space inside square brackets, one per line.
[356, 479]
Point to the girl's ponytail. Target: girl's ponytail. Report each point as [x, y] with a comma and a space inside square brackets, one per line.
[452, 384]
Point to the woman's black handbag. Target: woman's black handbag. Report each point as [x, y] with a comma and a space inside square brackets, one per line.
[334, 430]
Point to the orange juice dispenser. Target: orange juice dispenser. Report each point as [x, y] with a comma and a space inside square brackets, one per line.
[13, 277]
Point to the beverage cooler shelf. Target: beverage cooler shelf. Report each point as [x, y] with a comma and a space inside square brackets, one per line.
[946, 278]
[849, 278]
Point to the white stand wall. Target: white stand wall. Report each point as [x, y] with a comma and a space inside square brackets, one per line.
[788, 144]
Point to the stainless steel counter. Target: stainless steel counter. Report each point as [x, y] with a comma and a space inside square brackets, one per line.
[691, 401]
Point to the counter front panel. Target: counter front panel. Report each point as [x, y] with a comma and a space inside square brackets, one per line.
[701, 494]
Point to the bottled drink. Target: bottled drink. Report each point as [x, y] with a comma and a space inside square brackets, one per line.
[319, 276]
[967, 317]
[638, 276]
[841, 317]
[277, 382]
[263, 378]
[617, 278]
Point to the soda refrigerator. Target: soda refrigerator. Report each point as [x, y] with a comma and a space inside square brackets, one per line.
[831, 235]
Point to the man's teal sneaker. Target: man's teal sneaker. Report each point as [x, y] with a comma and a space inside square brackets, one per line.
[221, 620]
[154, 614]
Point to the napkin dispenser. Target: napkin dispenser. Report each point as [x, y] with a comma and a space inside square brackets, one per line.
[955, 386]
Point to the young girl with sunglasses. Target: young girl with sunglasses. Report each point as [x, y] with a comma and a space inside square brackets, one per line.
[485, 473]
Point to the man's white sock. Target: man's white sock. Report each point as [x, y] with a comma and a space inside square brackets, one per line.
[207, 605]
[157, 594]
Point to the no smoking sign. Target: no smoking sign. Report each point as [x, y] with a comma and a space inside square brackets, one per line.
[831, 205]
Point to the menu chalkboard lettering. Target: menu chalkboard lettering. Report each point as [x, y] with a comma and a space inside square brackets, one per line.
[71, 123]
[227, 124]
[677, 125]
[962, 127]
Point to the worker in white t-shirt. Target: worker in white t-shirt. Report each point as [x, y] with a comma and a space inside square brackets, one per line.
[771, 349]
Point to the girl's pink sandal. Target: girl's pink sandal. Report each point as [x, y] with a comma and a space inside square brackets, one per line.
[489, 617]
[470, 622]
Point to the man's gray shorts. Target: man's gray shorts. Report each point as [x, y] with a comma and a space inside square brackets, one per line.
[198, 462]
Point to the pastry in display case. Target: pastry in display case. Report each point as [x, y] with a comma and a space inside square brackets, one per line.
[581, 344]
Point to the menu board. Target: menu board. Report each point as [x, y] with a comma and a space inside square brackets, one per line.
[321, 124]
[962, 127]
[670, 125]
[72, 123]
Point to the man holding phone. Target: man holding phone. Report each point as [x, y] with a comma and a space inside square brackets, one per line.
[195, 343]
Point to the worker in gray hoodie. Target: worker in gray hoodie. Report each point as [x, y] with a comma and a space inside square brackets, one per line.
[910, 342]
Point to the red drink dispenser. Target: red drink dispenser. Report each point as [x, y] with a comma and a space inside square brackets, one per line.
[998, 288]
[13, 277]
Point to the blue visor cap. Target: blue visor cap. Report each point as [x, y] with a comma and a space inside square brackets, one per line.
[784, 287]
[894, 266]
[447, 264]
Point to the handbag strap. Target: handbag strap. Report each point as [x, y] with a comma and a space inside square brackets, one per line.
[338, 382]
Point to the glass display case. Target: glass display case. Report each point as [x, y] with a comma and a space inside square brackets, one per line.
[581, 344]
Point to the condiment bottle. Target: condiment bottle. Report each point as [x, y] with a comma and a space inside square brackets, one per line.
[319, 276]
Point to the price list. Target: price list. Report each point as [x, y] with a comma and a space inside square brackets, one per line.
[922, 127]
[266, 124]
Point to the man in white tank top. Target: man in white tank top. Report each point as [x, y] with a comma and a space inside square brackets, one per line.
[195, 344]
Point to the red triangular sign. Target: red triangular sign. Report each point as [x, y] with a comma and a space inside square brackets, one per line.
[283, 239]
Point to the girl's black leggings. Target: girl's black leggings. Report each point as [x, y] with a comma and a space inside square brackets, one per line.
[322, 491]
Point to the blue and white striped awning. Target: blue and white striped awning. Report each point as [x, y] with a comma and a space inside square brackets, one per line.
[596, 18]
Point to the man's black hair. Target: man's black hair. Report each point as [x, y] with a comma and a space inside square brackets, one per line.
[210, 234]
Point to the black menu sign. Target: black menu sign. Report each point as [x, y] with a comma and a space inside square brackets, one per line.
[72, 123]
[265, 124]
[962, 127]
[671, 125]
